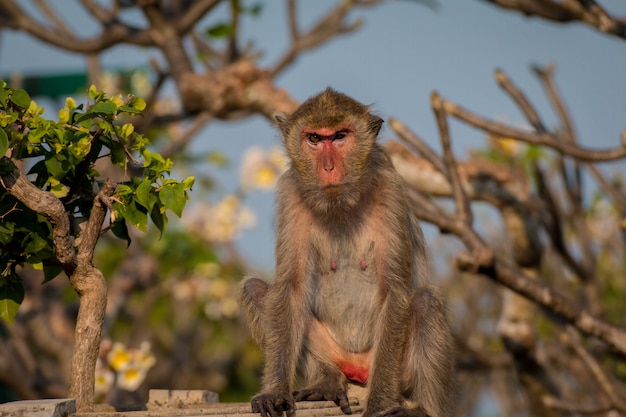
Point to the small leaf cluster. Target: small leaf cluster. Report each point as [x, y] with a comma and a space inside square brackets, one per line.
[60, 156]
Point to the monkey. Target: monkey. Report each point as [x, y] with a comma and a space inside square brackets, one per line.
[350, 302]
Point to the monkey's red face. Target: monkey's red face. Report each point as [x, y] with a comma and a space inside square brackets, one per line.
[327, 148]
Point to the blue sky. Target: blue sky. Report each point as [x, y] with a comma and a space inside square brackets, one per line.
[403, 52]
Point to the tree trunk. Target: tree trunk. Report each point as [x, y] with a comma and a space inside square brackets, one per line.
[92, 291]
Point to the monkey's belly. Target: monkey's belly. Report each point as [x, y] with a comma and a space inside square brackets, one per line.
[346, 303]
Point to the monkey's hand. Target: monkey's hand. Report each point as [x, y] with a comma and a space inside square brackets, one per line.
[338, 396]
[273, 404]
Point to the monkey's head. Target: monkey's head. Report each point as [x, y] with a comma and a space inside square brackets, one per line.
[330, 139]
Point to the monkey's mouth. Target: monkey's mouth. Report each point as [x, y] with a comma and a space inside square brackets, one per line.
[333, 188]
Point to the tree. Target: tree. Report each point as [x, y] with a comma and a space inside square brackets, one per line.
[556, 319]
[54, 221]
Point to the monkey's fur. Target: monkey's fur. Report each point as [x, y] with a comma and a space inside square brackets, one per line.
[350, 299]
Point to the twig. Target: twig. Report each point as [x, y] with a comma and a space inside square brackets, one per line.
[572, 338]
[500, 129]
[418, 145]
[565, 11]
[520, 99]
[463, 210]
[53, 17]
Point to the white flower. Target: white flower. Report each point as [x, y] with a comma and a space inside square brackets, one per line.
[104, 379]
[260, 169]
[223, 221]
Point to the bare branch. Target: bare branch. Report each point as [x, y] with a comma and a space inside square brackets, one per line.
[520, 99]
[463, 210]
[53, 17]
[98, 12]
[545, 139]
[196, 11]
[418, 145]
[572, 338]
[565, 11]
[329, 26]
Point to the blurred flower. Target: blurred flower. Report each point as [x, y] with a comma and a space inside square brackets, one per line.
[140, 83]
[109, 83]
[130, 366]
[219, 288]
[221, 222]
[131, 378]
[230, 307]
[104, 378]
[260, 169]
[208, 269]
[119, 358]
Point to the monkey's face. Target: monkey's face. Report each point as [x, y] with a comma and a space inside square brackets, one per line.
[330, 139]
[327, 148]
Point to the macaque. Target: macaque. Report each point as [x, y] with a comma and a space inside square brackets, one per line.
[350, 303]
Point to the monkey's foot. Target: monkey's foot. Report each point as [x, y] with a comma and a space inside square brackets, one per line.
[338, 396]
[399, 412]
[273, 404]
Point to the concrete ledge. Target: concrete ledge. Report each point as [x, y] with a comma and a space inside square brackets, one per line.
[180, 398]
[39, 408]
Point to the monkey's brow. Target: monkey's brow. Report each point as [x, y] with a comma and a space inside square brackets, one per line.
[325, 132]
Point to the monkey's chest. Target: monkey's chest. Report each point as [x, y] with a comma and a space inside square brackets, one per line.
[344, 298]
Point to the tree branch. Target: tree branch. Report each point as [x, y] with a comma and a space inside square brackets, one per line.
[544, 139]
[49, 206]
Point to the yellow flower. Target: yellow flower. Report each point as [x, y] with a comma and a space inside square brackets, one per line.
[131, 378]
[119, 357]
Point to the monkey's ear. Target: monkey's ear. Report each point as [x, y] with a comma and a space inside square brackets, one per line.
[281, 122]
[375, 124]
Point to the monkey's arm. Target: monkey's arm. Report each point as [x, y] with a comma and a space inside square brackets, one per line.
[286, 312]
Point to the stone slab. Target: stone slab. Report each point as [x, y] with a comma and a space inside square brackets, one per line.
[39, 408]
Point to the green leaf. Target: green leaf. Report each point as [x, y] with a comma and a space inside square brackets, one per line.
[120, 230]
[6, 232]
[21, 98]
[158, 218]
[4, 143]
[129, 110]
[11, 296]
[51, 272]
[173, 197]
[188, 182]
[134, 214]
[33, 243]
[58, 165]
[104, 107]
[143, 193]
[221, 30]
[118, 153]
[57, 188]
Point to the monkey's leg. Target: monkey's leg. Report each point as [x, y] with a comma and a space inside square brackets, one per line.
[429, 359]
[253, 291]
[324, 382]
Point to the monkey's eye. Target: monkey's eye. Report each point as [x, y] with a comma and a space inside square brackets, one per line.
[339, 135]
[314, 138]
